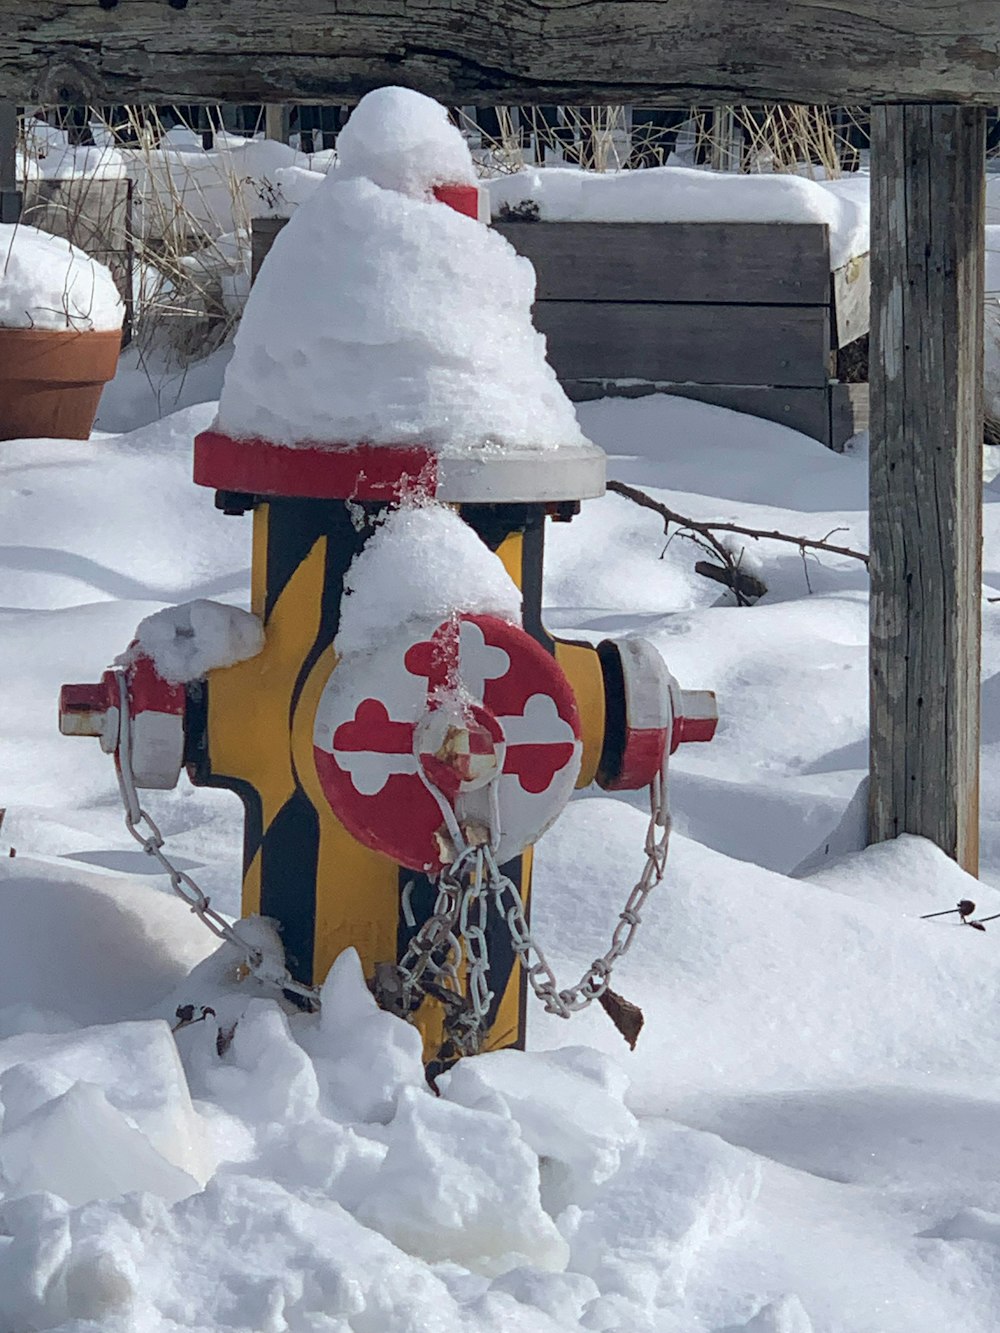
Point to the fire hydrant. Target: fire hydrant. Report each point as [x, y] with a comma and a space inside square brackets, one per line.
[363, 790]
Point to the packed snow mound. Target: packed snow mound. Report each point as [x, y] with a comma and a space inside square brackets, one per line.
[47, 283]
[423, 563]
[684, 194]
[385, 317]
[71, 914]
[404, 141]
[186, 642]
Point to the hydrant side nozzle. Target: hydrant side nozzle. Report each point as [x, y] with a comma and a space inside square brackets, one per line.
[83, 710]
[156, 710]
[696, 716]
[471, 200]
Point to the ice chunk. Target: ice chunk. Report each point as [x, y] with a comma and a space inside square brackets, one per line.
[423, 563]
[188, 641]
[644, 1251]
[785, 1315]
[568, 1119]
[137, 1067]
[461, 1185]
[561, 1295]
[404, 141]
[79, 1147]
[364, 1057]
[266, 1075]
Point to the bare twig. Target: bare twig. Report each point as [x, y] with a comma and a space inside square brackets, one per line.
[708, 529]
[745, 587]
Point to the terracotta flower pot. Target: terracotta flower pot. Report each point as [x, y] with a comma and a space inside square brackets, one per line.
[51, 381]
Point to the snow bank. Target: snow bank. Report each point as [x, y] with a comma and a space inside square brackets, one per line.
[187, 642]
[182, 188]
[71, 915]
[384, 316]
[422, 563]
[292, 187]
[683, 194]
[46, 283]
[66, 162]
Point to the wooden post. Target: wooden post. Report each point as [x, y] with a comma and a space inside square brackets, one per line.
[926, 473]
[10, 196]
[276, 122]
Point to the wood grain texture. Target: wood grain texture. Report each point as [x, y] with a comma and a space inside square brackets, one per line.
[805, 410]
[926, 474]
[851, 296]
[490, 51]
[704, 344]
[770, 263]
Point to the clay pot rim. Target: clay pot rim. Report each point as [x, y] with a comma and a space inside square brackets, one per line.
[59, 356]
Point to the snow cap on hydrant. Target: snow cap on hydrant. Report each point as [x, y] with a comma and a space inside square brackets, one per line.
[390, 334]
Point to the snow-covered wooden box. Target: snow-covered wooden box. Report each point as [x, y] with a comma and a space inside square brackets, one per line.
[748, 315]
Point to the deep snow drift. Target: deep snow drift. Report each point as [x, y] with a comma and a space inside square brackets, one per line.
[803, 1139]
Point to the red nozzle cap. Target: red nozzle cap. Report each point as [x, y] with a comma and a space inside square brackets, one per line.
[82, 709]
[696, 718]
[467, 199]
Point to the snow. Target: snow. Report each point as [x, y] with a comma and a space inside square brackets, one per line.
[386, 588]
[47, 283]
[186, 642]
[803, 1140]
[413, 327]
[684, 194]
[66, 162]
[405, 142]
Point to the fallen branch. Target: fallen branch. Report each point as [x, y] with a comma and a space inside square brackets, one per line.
[707, 529]
[737, 580]
[747, 588]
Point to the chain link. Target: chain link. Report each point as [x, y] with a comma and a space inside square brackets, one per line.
[464, 890]
[594, 982]
[148, 836]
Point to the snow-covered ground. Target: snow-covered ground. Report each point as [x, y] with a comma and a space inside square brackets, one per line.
[804, 1138]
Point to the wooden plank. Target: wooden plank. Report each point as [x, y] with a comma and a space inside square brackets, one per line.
[778, 263]
[851, 296]
[703, 344]
[484, 52]
[805, 410]
[262, 234]
[849, 412]
[10, 198]
[926, 474]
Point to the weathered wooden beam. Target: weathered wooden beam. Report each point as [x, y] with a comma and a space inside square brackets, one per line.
[10, 196]
[478, 52]
[926, 474]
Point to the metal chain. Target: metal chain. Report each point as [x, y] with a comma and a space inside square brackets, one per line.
[594, 982]
[434, 948]
[150, 839]
[463, 892]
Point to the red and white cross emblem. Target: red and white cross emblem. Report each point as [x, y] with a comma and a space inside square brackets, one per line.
[473, 704]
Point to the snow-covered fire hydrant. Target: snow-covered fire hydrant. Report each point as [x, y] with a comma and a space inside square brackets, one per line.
[408, 728]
